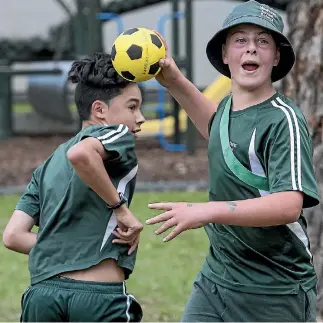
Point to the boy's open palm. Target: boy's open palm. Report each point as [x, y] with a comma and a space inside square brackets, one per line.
[182, 216]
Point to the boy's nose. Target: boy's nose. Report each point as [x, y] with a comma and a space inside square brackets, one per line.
[251, 49]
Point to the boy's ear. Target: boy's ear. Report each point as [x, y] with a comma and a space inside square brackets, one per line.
[97, 109]
[224, 54]
[277, 57]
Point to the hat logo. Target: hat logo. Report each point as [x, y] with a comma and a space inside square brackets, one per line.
[267, 13]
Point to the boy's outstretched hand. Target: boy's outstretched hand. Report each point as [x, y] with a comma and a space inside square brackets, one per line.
[182, 216]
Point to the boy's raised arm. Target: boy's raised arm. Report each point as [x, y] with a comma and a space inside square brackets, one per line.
[198, 107]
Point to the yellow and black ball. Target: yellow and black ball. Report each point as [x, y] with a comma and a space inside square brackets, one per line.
[136, 54]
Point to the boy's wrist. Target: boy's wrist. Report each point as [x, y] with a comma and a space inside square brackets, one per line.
[120, 210]
[177, 82]
[116, 205]
[216, 211]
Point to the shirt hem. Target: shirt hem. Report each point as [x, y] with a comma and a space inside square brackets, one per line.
[287, 289]
[312, 199]
[26, 209]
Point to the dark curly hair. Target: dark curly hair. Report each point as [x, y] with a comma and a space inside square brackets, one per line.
[96, 80]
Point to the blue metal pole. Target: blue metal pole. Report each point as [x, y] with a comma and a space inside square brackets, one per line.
[112, 16]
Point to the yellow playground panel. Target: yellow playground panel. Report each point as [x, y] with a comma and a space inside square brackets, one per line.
[216, 91]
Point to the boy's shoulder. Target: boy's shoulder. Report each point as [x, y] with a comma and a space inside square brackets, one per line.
[279, 113]
[99, 129]
[108, 134]
[282, 109]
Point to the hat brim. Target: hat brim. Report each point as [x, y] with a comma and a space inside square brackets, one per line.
[287, 55]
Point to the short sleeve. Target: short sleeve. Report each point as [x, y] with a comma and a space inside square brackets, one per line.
[290, 158]
[118, 141]
[29, 201]
[220, 106]
[211, 122]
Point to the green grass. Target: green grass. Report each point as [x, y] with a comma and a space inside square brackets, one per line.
[22, 108]
[25, 107]
[163, 275]
[149, 114]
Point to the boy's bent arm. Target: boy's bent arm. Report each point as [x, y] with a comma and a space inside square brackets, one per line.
[198, 107]
[87, 158]
[17, 235]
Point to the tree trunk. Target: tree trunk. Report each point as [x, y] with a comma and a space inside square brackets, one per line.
[304, 85]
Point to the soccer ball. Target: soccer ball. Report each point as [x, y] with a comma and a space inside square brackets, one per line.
[136, 53]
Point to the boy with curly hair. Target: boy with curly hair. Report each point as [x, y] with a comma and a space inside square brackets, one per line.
[87, 240]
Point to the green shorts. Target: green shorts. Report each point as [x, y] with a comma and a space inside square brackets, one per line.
[63, 300]
[209, 302]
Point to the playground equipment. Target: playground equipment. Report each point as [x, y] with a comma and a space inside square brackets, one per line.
[82, 35]
[6, 96]
[48, 93]
[164, 127]
[173, 126]
[183, 62]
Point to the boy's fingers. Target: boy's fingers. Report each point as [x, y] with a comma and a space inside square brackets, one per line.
[161, 206]
[120, 241]
[168, 224]
[162, 39]
[131, 233]
[126, 236]
[160, 218]
[134, 246]
[164, 62]
[173, 234]
[116, 234]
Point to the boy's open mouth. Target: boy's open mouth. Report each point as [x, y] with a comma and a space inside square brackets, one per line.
[135, 132]
[250, 66]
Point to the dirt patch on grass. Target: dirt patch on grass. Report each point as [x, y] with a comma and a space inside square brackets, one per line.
[19, 157]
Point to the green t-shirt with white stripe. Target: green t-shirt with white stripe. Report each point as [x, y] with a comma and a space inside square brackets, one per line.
[270, 139]
[75, 226]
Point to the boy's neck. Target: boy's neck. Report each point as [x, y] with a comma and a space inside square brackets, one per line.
[242, 98]
[87, 123]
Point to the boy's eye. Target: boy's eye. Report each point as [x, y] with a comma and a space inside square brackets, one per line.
[240, 40]
[132, 107]
[263, 41]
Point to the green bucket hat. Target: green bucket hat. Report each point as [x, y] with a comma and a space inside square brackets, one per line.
[253, 12]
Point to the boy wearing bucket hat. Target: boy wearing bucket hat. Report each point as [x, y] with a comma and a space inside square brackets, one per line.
[259, 266]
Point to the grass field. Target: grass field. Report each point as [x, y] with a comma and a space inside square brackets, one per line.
[164, 272]
[25, 107]
[148, 108]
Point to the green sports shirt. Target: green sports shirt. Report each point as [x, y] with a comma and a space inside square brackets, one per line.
[270, 139]
[75, 226]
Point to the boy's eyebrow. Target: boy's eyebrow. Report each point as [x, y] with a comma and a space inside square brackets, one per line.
[264, 32]
[237, 31]
[134, 99]
[241, 31]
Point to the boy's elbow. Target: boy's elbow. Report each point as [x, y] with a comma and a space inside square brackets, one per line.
[292, 217]
[294, 209]
[85, 152]
[77, 155]
[9, 238]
